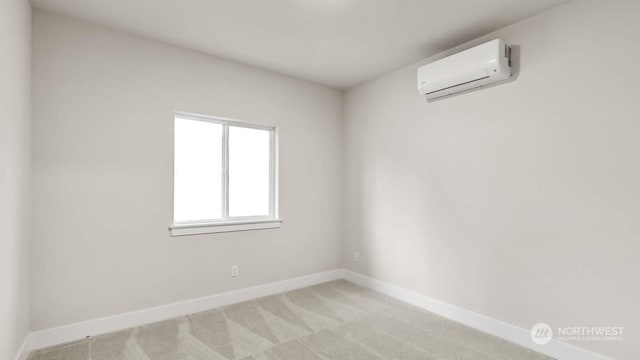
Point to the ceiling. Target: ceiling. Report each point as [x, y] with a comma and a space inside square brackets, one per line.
[339, 43]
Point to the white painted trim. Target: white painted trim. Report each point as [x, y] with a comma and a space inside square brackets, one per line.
[72, 332]
[25, 348]
[222, 120]
[211, 228]
[512, 333]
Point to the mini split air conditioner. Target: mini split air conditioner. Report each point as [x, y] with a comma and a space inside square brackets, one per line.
[472, 68]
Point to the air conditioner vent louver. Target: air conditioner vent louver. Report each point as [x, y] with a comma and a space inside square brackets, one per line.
[453, 86]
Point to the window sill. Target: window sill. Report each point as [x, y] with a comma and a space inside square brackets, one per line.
[212, 228]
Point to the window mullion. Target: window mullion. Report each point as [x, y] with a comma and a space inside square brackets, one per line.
[225, 172]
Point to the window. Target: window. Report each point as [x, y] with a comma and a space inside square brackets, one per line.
[224, 176]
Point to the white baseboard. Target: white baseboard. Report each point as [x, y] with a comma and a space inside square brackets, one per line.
[23, 351]
[514, 334]
[77, 331]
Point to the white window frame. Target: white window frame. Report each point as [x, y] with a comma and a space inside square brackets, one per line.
[227, 223]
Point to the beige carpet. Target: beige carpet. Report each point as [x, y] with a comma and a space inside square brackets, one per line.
[332, 321]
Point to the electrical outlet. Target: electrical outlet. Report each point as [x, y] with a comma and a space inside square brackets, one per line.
[356, 256]
[234, 271]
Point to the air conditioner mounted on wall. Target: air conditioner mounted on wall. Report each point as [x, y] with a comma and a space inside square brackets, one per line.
[472, 68]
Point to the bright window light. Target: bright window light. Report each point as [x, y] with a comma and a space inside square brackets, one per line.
[198, 171]
[249, 171]
[224, 171]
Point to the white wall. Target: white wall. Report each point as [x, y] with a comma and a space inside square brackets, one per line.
[15, 122]
[103, 159]
[521, 201]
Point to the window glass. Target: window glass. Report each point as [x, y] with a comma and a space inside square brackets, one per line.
[249, 171]
[197, 171]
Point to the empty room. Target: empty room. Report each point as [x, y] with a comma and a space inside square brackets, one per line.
[319, 180]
